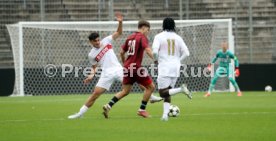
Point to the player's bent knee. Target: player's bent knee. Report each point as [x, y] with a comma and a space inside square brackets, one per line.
[151, 87]
[98, 91]
[125, 92]
[96, 95]
[163, 93]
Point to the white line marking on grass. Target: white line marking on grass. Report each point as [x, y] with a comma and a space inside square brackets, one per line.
[16, 120]
[54, 119]
[134, 117]
[46, 100]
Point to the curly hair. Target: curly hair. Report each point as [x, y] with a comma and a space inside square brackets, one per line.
[168, 24]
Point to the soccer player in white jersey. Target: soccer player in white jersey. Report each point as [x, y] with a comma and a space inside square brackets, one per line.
[169, 50]
[102, 55]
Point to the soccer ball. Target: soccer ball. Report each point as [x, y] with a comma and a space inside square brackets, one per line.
[174, 111]
[268, 88]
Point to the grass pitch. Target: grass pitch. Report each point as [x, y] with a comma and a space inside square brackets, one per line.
[221, 117]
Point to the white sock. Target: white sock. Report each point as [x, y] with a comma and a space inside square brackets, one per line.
[83, 109]
[166, 108]
[174, 91]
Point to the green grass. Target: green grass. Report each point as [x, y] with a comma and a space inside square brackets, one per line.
[221, 117]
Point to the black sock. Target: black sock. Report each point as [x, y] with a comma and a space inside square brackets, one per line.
[143, 105]
[113, 101]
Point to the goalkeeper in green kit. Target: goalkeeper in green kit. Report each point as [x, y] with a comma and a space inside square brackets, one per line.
[224, 69]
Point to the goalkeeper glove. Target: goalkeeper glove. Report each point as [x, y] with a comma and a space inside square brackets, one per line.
[237, 72]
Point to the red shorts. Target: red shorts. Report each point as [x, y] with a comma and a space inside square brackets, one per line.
[140, 77]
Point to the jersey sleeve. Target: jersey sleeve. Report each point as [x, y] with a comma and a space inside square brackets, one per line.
[107, 40]
[92, 61]
[184, 50]
[144, 42]
[215, 58]
[232, 56]
[236, 61]
[155, 45]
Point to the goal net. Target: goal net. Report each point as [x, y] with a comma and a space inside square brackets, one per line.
[52, 57]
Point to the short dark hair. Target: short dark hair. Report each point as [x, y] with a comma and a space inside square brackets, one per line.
[93, 36]
[168, 24]
[142, 23]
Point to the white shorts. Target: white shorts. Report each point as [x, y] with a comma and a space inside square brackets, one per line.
[165, 81]
[106, 80]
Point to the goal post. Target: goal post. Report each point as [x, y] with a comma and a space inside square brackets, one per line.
[51, 57]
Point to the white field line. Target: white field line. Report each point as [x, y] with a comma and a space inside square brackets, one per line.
[129, 117]
[45, 100]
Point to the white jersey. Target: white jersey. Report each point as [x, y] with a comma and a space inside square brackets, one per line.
[105, 57]
[170, 48]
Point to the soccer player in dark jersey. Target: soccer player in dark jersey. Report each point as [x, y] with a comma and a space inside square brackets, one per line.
[134, 47]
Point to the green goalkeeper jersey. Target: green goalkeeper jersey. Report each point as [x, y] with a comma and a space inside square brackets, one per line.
[225, 58]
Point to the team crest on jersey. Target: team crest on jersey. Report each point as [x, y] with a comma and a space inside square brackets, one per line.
[226, 59]
[102, 52]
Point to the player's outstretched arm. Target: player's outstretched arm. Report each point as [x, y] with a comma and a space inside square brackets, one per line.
[119, 31]
[236, 63]
[209, 67]
[237, 70]
[215, 58]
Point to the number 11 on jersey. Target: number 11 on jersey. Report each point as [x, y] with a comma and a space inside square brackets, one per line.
[171, 45]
